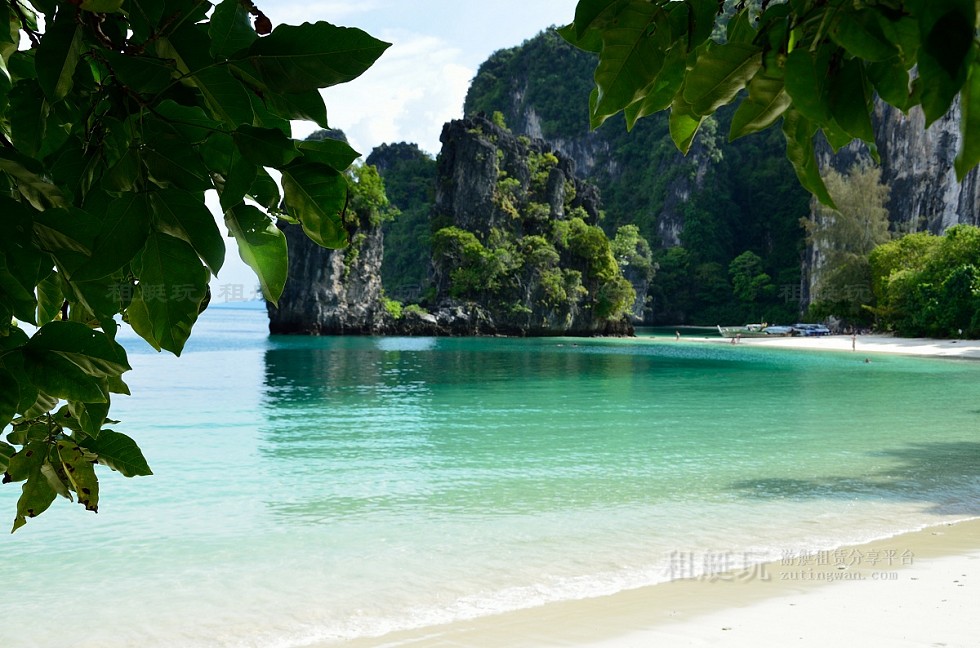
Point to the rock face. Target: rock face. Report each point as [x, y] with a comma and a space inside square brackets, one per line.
[332, 292]
[509, 193]
[917, 164]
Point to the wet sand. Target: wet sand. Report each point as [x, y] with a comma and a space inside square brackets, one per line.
[915, 589]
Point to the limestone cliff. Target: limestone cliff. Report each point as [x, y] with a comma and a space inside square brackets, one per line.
[331, 292]
[917, 165]
[516, 247]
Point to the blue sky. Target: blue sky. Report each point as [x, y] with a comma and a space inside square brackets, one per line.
[417, 85]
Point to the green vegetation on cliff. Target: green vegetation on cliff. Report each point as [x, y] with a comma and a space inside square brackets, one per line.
[410, 182]
[531, 252]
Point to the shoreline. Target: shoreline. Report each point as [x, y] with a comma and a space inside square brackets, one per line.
[867, 344]
[849, 596]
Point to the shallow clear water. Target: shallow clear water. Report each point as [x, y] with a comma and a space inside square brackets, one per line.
[325, 488]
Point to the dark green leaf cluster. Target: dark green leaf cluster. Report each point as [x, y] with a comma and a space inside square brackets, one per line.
[814, 64]
[927, 285]
[114, 123]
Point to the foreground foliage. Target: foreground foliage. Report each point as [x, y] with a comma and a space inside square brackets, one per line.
[114, 122]
[813, 64]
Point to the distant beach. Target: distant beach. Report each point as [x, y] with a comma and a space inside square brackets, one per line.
[862, 344]
[914, 589]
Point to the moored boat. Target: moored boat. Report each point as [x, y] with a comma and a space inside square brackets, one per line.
[749, 330]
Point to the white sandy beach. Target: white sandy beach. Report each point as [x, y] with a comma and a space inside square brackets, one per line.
[931, 597]
[927, 596]
[867, 344]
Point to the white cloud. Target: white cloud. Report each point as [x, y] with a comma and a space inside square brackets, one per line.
[414, 88]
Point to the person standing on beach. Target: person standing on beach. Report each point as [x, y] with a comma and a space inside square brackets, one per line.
[854, 337]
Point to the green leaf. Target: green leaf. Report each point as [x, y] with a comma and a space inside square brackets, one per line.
[631, 57]
[702, 22]
[59, 230]
[172, 285]
[969, 154]
[891, 81]
[241, 176]
[226, 97]
[50, 298]
[35, 498]
[264, 190]
[90, 416]
[860, 33]
[594, 14]
[117, 139]
[224, 94]
[265, 146]
[295, 59]
[28, 115]
[9, 398]
[57, 55]
[80, 471]
[54, 480]
[947, 31]
[13, 364]
[28, 176]
[117, 386]
[58, 377]
[684, 124]
[118, 452]
[121, 235]
[6, 452]
[145, 75]
[22, 265]
[799, 133]
[262, 246]
[183, 215]
[316, 195]
[93, 351]
[660, 94]
[103, 298]
[807, 83]
[172, 163]
[850, 101]
[43, 404]
[767, 101]
[191, 122]
[230, 29]
[720, 74]
[334, 153]
[28, 461]
[306, 106]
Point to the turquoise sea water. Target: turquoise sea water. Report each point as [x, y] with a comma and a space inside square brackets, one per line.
[318, 489]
